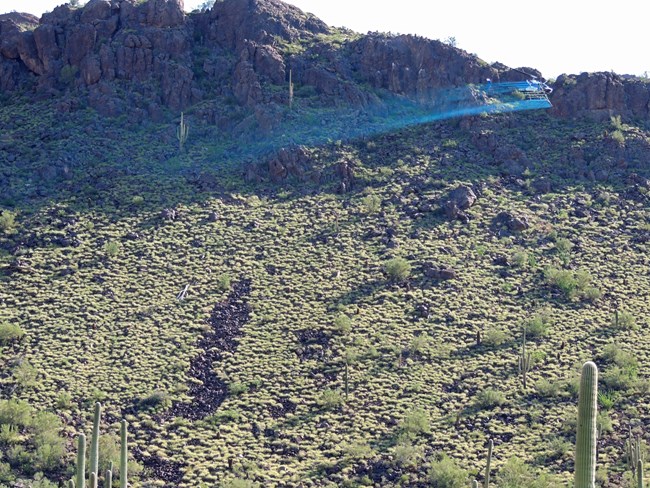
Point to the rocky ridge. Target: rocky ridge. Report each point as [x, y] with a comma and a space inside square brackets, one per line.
[126, 56]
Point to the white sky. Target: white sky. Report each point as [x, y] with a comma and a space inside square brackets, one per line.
[554, 36]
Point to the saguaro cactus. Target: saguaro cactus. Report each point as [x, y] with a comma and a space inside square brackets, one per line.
[486, 484]
[182, 131]
[94, 444]
[81, 461]
[524, 361]
[290, 90]
[585, 462]
[639, 474]
[124, 454]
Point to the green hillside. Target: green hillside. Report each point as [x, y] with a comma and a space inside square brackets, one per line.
[243, 376]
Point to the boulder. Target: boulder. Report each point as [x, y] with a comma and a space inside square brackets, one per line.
[462, 197]
[440, 273]
[513, 222]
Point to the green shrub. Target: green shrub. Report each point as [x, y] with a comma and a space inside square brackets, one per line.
[614, 354]
[624, 321]
[343, 324]
[112, 248]
[573, 285]
[154, 400]
[445, 473]
[515, 473]
[398, 269]
[495, 337]
[10, 333]
[617, 378]
[618, 137]
[330, 399]
[489, 398]
[137, 200]
[371, 204]
[547, 389]
[407, 455]
[224, 282]
[538, 324]
[7, 221]
[237, 388]
[416, 422]
[561, 279]
[240, 483]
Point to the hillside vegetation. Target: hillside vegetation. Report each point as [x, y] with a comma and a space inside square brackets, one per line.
[290, 335]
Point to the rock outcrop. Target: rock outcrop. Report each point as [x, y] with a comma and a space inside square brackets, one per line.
[600, 96]
[134, 57]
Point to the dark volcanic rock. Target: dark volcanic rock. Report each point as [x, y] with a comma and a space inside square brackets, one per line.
[600, 95]
[129, 56]
[514, 223]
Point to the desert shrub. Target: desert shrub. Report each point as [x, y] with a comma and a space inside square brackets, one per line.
[356, 451]
[330, 399]
[343, 324]
[224, 416]
[618, 137]
[445, 473]
[240, 483]
[538, 324]
[9, 333]
[398, 269]
[573, 285]
[112, 248]
[7, 221]
[237, 388]
[63, 400]
[563, 246]
[137, 200]
[561, 279]
[489, 398]
[154, 400]
[624, 321]
[592, 294]
[371, 203]
[558, 448]
[419, 344]
[224, 282]
[617, 378]
[515, 473]
[547, 389]
[407, 455]
[614, 354]
[520, 259]
[495, 337]
[416, 422]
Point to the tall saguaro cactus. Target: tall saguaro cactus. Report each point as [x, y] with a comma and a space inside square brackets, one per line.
[290, 90]
[94, 445]
[81, 461]
[182, 131]
[486, 484]
[639, 473]
[585, 462]
[124, 454]
[93, 465]
[524, 361]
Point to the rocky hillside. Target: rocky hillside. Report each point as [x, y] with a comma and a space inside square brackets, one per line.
[332, 294]
[138, 58]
